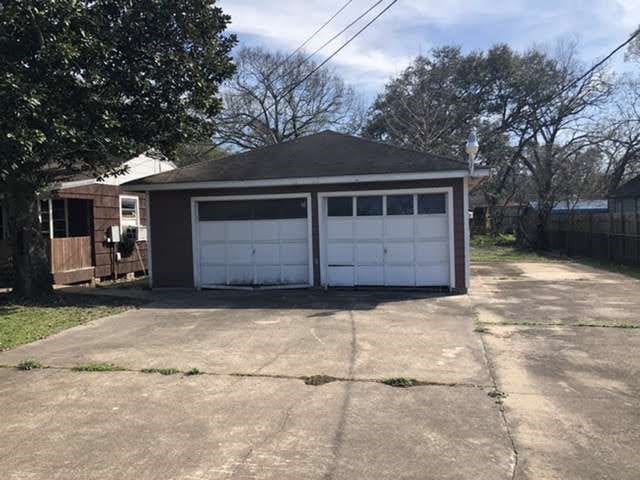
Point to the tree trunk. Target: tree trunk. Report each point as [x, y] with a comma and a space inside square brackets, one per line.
[542, 242]
[31, 268]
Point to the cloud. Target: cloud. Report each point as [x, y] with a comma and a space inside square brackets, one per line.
[412, 27]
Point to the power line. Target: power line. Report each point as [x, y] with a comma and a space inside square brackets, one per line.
[596, 66]
[343, 30]
[324, 62]
[304, 44]
[353, 37]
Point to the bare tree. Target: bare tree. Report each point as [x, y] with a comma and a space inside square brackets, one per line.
[262, 107]
[560, 132]
[618, 134]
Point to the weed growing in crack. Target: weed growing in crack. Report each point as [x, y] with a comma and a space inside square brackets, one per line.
[400, 382]
[193, 371]
[496, 394]
[97, 367]
[161, 371]
[481, 329]
[29, 365]
[317, 380]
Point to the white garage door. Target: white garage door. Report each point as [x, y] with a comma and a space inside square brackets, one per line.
[257, 242]
[398, 239]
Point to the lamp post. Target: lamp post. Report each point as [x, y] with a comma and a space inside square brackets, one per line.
[472, 148]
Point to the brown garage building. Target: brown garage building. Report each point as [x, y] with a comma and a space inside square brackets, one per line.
[323, 210]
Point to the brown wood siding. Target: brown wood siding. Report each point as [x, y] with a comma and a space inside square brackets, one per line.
[106, 212]
[171, 225]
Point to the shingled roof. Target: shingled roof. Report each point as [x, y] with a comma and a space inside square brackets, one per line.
[324, 154]
[629, 189]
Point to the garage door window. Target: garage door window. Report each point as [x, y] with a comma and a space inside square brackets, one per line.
[340, 206]
[400, 205]
[370, 205]
[431, 203]
[253, 209]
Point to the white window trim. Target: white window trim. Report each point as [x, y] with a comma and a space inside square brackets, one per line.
[195, 235]
[129, 197]
[324, 281]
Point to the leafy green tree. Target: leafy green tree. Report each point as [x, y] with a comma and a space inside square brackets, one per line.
[83, 84]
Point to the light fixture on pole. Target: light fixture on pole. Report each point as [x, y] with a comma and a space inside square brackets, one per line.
[472, 148]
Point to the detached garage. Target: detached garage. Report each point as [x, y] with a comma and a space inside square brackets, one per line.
[326, 210]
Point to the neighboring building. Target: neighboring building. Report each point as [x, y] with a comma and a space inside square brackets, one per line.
[77, 216]
[581, 206]
[323, 210]
[626, 199]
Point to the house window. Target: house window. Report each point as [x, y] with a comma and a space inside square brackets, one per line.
[129, 211]
[431, 203]
[340, 206]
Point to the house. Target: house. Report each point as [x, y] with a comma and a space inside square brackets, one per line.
[626, 199]
[78, 216]
[323, 210]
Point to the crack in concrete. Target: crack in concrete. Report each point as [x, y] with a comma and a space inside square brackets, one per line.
[501, 410]
[546, 324]
[419, 383]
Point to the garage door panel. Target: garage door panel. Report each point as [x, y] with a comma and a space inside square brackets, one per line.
[398, 227]
[267, 274]
[239, 253]
[241, 274]
[341, 276]
[267, 254]
[265, 230]
[400, 276]
[294, 229]
[428, 251]
[253, 245]
[399, 252]
[294, 253]
[295, 274]
[369, 253]
[213, 253]
[213, 275]
[370, 275]
[238, 230]
[432, 275]
[338, 229]
[368, 228]
[212, 231]
[432, 226]
[340, 254]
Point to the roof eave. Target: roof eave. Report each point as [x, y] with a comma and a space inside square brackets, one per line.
[325, 180]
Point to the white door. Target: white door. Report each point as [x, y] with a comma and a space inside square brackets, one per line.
[399, 239]
[253, 242]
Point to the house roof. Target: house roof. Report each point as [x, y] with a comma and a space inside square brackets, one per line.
[324, 154]
[629, 189]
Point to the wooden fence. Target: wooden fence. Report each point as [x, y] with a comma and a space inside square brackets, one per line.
[71, 253]
[608, 236]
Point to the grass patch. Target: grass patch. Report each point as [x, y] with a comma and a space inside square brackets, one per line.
[317, 380]
[97, 367]
[24, 321]
[29, 365]
[400, 382]
[502, 248]
[193, 371]
[628, 270]
[161, 371]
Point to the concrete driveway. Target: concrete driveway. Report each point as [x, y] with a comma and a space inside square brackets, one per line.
[570, 411]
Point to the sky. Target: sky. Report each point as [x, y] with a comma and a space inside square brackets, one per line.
[413, 27]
